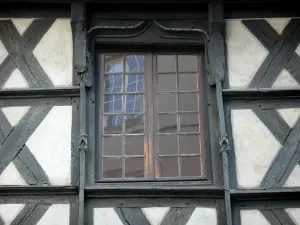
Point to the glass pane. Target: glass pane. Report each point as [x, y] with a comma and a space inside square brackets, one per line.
[134, 167]
[167, 103]
[168, 166]
[166, 63]
[134, 63]
[189, 122]
[189, 144]
[112, 168]
[112, 124]
[134, 145]
[187, 63]
[114, 64]
[190, 166]
[113, 83]
[134, 124]
[134, 83]
[167, 82]
[188, 102]
[168, 145]
[134, 104]
[188, 82]
[167, 123]
[112, 146]
[112, 103]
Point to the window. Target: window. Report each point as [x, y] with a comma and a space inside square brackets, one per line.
[150, 110]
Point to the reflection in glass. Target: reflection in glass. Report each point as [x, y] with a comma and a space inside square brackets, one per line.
[134, 63]
[190, 166]
[134, 167]
[189, 144]
[112, 146]
[187, 82]
[189, 122]
[134, 83]
[168, 145]
[112, 103]
[168, 166]
[112, 168]
[112, 124]
[167, 103]
[166, 82]
[167, 123]
[113, 83]
[187, 63]
[134, 103]
[188, 102]
[134, 124]
[114, 64]
[134, 145]
[166, 63]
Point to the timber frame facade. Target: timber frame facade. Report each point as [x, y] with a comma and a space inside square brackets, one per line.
[93, 25]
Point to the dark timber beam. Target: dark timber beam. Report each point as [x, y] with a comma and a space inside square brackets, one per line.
[80, 72]
[217, 62]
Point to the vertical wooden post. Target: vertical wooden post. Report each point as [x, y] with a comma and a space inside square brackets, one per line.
[217, 72]
[80, 70]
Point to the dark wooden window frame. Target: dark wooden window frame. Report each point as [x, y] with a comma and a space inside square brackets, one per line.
[151, 133]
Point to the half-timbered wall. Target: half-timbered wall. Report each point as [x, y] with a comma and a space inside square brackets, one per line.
[47, 117]
[263, 56]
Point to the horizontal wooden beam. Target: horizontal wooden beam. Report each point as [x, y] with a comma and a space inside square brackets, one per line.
[263, 93]
[39, 93]
[264, 195]
[114, 190]
[38, 190]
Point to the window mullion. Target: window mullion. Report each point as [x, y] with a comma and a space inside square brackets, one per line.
[149, 134]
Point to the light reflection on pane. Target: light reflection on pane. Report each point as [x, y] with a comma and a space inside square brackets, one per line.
[189, 144]
[166, 63]
[134, 167]
[187, 63]
[112, 103]
[134, 103]
[114, 64]
[112, 146]
[190, 166]
[167, 103]
[187, 82]
[113, 83]
[112, 168]
[134, 145]
[168, 145]
[167, 123]
[134, 83]
[167, 82]
[134, 124]
[188, 102]
[134, 63]
[189, 122]
[113, 124]
[168, 166]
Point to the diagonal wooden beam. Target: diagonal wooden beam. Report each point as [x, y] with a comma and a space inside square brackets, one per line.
[25, 162]
[281, 49]
[283, 217]
[18, 137]
[274, 122]
[6, 69]
[269, 215]
[178, 216]
[282, 160]
[132, 216]
[20, 50]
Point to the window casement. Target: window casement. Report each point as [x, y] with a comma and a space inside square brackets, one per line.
[150, 102]
[151, 106]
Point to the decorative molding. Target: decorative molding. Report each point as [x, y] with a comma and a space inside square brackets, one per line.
[151, 31]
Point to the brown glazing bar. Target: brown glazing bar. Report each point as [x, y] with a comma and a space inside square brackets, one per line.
[123, 116]
[178, 118]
